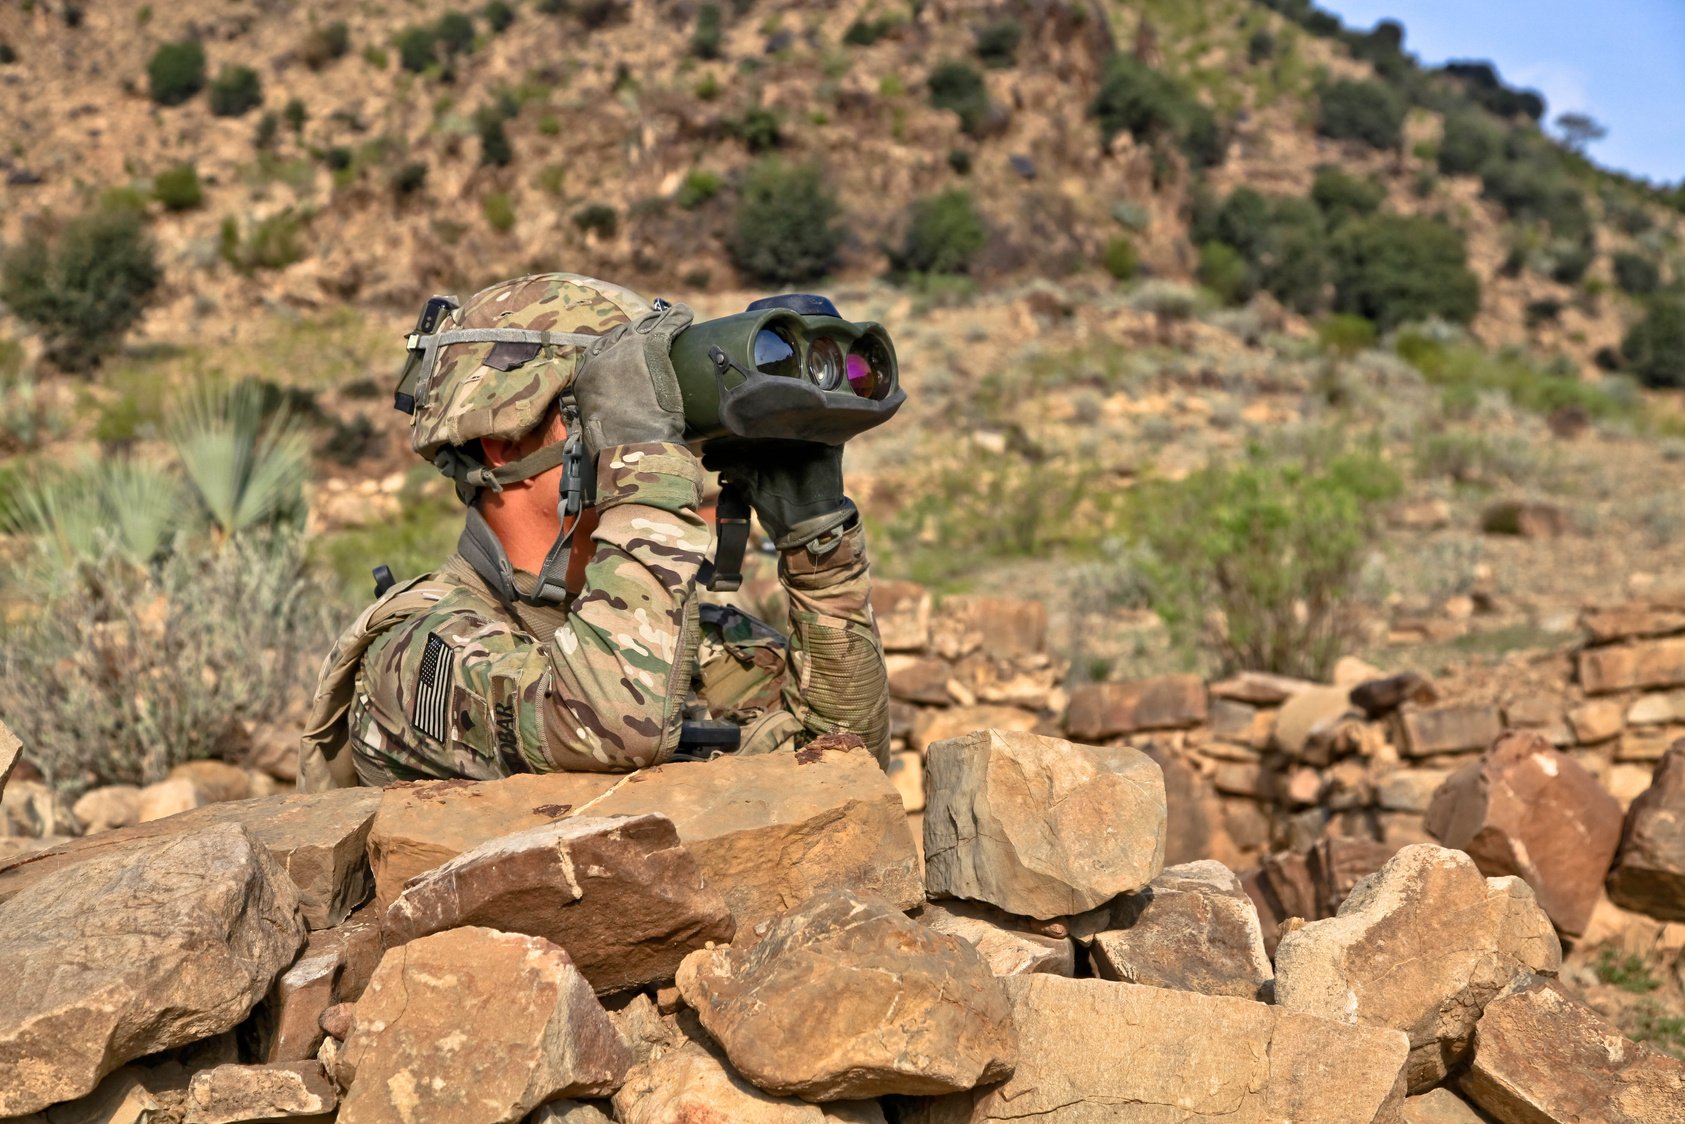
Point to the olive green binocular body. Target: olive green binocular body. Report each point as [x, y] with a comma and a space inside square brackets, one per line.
[788, 369]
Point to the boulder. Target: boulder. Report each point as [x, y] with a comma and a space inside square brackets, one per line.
[1193, 823]
[122, 1098]
[692, 1085]
[1259, 688]
[1107, 710]
[11, 750]
[474, 1024]
[1596, 721]
[1459, 728]
[1409, 790]
[1039, 826]
[1539, 1056]
[1634, 665]
[1421, 947]
[908, 1010]
[935, 726]
[1625, 622]
[216, 780]
[1009, 945]
[288, 1025]
[109, 806]
[1192, 928]
[1529, 810]
[1439, 1106]
[1530, 519]
[1649, 872]
[620, 894]
[140, 951]
[169, 797]
[1307, 713]
[768, 832]
[318, 838]
[1003, 627]
[902, 610]
[231, 1094]
[1098, 1052]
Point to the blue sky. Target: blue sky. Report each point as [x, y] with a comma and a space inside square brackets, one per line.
[1622, 61]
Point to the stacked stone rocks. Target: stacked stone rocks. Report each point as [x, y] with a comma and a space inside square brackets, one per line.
[757, 940]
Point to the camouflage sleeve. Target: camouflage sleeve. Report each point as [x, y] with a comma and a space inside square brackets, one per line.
[837, 680]
[621, 662]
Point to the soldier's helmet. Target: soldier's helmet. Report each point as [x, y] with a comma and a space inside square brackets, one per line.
[504, 389]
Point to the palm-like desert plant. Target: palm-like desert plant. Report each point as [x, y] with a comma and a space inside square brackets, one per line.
[246, 468]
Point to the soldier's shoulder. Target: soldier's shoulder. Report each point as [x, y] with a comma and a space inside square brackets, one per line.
[460, 619]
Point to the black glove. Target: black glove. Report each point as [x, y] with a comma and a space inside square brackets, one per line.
[626, 389]
[796, 488]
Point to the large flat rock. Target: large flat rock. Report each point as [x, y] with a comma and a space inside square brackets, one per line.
[319, 839]
[475, 1025]
[691, 1084]
[621, 894]
[1649, 872]
[142, 950]
[1541, 1058]
[901, 1008]
[768, 832]
[1530, 810]
[1098, 1052]
[1421, 947]
[1040, 826]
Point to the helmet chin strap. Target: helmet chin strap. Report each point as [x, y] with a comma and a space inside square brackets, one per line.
[484, 551]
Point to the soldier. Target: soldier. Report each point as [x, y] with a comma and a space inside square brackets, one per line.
[540, 647]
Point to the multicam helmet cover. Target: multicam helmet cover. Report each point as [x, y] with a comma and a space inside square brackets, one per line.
[504, 388]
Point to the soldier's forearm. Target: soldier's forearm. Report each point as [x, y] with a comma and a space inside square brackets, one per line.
[624, 657]
[837, 680]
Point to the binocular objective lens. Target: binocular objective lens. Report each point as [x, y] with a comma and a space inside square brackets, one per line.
[825, 364]
[775, 353]
[868, 369]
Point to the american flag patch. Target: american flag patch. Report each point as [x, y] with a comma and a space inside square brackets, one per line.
[432, 695]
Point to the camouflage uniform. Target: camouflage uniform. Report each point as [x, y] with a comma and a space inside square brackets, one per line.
[447, 678]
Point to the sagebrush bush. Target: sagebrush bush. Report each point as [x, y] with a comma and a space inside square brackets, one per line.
[178, 188]
[1222, 270]
[709, 30]
[1119, 258]
[409, 178]
[1275, 544]
[499, 15]
[758, 129]
[82, 285]
[1134, 98]
[785, 229]
[455, 33]
[1654, 348]
[499, 211]
[997, 43]
[236, 91]
[1468, 142]
[1635, 273]
[959, 86]
[144, 667]
[1282, 240]
[1394, 269]
[274, 242]
[418, 48]
[597, 218]
[176, 72]
[699, 186]
[1343, 196]
[495, 151]
[1362, 111]
[324, 44]
[944, 233]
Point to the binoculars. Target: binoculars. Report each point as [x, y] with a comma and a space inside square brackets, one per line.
[790, 368]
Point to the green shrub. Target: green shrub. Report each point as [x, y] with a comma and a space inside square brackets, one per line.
[1138, 100]
[494, 141]
[1345, 335]
[699, 186]
[325, 44]
[1635, 273]
[865, 31]
[83, 285]
[997, 43]
[1532, 191]
[1469, 142]
[409, 178]
[959, 159]
[499, 210]
[1569, 261]
[1275, 544]
[1260, 46]
[706, 35]
[1281, 240]
[1362, 111]
[1394, 269]
[959, 86]
[296, 115]
[176, 72]
[944, 234]
[418, 48]
[1223, 271]
[455, 33]
[270, 243]
[1119, 258]
[597, 218]
[758, 129]
[499, 15]
[236, 91]
[785, 229]
[178, 188]
[1343, 196]
[1654, 348]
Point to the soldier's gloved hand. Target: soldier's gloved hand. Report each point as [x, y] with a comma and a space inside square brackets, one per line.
[626, 389]
[795, 487]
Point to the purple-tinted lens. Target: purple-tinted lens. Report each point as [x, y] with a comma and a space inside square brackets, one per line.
[860, 375]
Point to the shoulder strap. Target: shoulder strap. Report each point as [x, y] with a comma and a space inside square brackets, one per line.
[322, 761]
